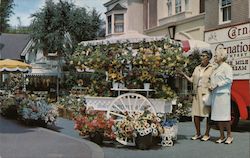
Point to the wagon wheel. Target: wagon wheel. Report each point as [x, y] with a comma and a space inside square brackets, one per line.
[126, 104]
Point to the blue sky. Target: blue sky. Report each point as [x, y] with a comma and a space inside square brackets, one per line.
[24, 8]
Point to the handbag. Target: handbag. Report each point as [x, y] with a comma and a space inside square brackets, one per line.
[207, 99]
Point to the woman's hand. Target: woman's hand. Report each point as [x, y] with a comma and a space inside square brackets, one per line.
[211, 88]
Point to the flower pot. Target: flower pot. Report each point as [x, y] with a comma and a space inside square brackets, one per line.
[146, 85]
[96, 137]
[121, 85]
[115, 85]
[144, 142]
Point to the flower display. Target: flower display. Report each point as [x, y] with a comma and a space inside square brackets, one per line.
[72, 102]
[94, 121]
[8, 106]
[37, 110]
[132, 63]
[140, 123]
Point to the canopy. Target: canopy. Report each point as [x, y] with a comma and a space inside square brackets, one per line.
[14, 65]
[188, 46]
[131, 37]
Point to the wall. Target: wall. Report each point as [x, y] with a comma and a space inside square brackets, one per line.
[239, 14]
[134, 20]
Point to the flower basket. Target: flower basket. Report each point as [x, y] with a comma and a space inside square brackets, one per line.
[94, 124]
[144, 142]
[96, 137]
[146, 85]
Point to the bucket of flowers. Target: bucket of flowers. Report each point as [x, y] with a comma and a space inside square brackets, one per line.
[140, 126]
[37, 112]
[95, 125]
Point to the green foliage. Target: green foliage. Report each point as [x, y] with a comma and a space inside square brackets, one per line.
[8, 107]
[194, 60]
[58, 27]
[132, 64]
[6, 7]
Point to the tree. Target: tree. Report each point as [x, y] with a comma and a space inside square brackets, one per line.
[6, 7]
[59, 27]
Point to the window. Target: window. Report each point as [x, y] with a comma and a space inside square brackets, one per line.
[169, 4]
[119, 23]
[109, 24]
[202, 6]
[177, 6]
[226, 10]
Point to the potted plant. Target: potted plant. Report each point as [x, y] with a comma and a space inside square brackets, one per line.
[37, 112]
[140, 125]
[94, 124]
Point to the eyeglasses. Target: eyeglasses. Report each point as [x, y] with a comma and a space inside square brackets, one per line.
[203, 55]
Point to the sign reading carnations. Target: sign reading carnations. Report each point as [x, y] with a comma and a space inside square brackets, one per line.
[235, 40]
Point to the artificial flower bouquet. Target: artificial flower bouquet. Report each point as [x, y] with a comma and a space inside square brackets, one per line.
[94, 121]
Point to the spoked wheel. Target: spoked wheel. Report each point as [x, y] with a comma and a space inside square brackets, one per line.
[125, 105]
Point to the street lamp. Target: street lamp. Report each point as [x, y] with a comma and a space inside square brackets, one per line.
[171, 31]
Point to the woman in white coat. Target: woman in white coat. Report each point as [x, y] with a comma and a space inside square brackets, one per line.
[221, 81]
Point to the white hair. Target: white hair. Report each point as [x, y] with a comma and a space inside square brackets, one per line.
[222, 53]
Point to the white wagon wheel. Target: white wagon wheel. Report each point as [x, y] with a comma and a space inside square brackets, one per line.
[126, 104]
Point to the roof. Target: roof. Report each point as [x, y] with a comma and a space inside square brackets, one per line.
[12, 45]
[110, 2]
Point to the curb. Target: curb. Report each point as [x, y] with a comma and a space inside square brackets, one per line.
[96, 150]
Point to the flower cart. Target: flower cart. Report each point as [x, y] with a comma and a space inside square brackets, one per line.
[132, 62]
[132, 106]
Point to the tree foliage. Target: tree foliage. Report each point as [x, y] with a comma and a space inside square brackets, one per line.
[59, 27]
[6, 7]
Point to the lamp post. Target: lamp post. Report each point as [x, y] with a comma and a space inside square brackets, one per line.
[171, 31]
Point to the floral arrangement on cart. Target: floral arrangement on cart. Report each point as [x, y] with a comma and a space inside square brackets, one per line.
[146, 129]
[132, 64]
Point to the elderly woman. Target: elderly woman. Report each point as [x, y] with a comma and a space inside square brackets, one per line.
[201, 79]
[221, 81]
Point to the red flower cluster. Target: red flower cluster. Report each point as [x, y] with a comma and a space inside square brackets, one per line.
[94, 121]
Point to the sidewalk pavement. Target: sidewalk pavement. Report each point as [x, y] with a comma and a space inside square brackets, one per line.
[18, 141]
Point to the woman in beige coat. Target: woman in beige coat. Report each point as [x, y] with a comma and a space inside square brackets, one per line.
[201, 79]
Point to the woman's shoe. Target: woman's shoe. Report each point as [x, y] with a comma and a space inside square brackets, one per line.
[229, 140]
[205, 138]
[196, 137]
[219, 141]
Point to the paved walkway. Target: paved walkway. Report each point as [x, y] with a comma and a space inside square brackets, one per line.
[18, 141]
